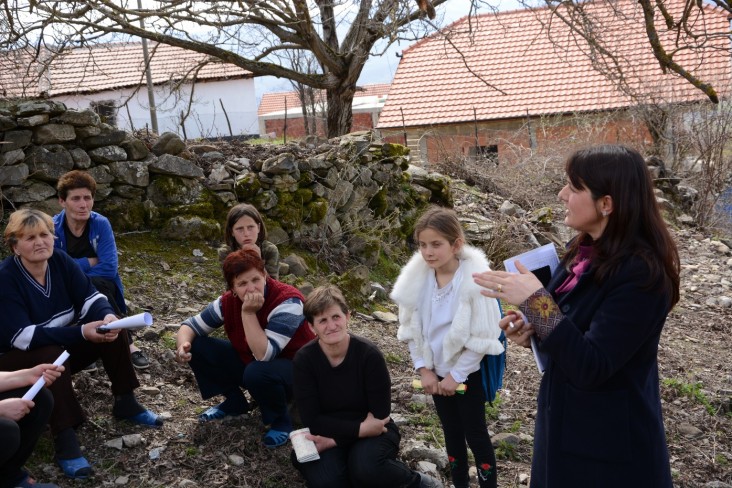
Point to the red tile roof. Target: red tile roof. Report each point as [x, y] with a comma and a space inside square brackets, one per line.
[275, 101]
[106, 67]
[538, 70]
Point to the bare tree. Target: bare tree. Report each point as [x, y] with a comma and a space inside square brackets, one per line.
[305, 62]
[340, 34]
[685, 36]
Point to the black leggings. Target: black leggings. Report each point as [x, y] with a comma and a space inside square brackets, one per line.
[19, 438]
[463, 419]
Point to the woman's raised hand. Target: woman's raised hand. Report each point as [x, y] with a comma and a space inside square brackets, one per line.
[512, 288]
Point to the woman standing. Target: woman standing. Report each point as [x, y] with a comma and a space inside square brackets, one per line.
[343, 394]
[599, 320]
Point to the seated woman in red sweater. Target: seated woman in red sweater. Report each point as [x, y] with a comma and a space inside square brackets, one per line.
[343, 394]
[264, 322]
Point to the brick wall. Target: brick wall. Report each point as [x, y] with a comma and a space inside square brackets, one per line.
[296, 127]
[516, 139]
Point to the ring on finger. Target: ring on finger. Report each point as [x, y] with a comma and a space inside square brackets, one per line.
[499, 288]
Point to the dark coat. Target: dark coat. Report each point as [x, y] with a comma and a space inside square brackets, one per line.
[599, 421]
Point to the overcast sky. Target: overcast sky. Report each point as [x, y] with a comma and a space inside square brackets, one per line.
[381, 69]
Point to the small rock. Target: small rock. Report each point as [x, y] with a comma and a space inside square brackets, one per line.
[149, 390]
[427, 467]
[688, 430]
[155, 453]
[117, 443]
[198, 253]
[507, 437]
[423, 399]
[387, 317]
[399, 419]
[186, 483]
[523, 479]
[122, 480]
[165, 416]
[378, 291]
[132, 440]
[236, 460]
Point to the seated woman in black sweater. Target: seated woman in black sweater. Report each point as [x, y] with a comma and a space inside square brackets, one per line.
[343, 393]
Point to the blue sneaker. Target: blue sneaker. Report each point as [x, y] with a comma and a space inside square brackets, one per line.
[77, 468]
[146, 418]
[217, 413]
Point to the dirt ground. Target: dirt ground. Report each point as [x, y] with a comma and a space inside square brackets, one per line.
[176, 280]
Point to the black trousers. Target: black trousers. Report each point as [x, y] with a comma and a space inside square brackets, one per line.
[19, 438]
[463, 420]
[67, 411]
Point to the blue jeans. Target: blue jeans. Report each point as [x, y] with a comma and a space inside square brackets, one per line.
[220, 371]
[369, 462]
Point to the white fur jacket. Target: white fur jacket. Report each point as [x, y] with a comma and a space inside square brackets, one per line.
[475, 325]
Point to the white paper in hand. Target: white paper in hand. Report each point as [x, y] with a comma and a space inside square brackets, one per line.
[31, 394]
[305, 449]
[138, 321]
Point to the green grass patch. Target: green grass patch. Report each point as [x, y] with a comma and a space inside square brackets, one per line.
[492, 410]
[691, 390]
[392, 358]
[506, 451]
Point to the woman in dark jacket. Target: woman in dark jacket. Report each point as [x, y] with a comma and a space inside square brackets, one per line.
[599, 321]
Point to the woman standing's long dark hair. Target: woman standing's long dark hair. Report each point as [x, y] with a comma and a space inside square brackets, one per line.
[635, 226]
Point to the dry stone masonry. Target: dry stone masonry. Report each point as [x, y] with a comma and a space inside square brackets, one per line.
[348, 194]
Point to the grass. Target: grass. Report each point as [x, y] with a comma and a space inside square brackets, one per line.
[507, 451]
[491, 411]
[692, 391]
[392, 358]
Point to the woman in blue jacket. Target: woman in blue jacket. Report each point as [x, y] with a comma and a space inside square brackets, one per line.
[599, 320]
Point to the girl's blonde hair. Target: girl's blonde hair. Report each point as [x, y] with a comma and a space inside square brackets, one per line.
[443, 220]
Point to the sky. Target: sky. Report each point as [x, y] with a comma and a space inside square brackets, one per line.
[381, 69]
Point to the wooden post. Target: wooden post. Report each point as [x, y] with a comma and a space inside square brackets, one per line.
[284, 127]
[404, 128]
[227, 118]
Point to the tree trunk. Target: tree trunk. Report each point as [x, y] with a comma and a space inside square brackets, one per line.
[340, 110]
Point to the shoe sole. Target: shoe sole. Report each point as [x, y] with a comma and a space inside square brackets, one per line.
[140, 367]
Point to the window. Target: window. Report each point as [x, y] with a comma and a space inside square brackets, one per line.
[489, 154]
[106, 110]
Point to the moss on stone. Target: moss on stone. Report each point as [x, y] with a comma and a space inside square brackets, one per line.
[303, 196]
[391, 150]
[316, 210]
[204, 210]
[248, 187]
[379, 203]
[125, 215]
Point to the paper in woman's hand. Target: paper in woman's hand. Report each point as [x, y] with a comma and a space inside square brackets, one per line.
[31, 394]
[138, 321]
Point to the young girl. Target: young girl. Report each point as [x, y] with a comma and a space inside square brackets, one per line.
[450, 326]
[245, 228]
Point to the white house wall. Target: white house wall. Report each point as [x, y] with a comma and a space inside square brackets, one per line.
[206, 119]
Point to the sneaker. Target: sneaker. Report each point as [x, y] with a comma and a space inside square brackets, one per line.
[426, 481]
[139, 360]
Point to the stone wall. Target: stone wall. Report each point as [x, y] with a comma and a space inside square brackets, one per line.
[352, 196]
